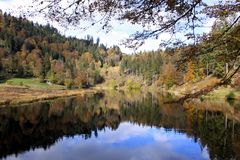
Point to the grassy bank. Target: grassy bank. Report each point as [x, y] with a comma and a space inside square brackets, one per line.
[18, 91]
[226, 92]
[12, 95]
[115, 81]
[219, 92]
[32, 83]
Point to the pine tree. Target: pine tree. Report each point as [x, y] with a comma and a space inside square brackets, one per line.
[190, 74]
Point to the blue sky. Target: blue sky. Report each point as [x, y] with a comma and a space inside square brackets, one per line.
[114, 37]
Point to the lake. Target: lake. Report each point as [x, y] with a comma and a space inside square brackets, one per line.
[120, 126]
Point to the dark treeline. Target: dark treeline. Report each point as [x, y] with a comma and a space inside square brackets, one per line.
[146, 64]
[33, 50]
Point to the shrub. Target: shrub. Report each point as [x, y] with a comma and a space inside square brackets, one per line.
[68, 83]
[113, 84]
[237, 81]
[41, 79]
[97, 77]
[52, 77]
[230, 96]
[190, 74]
[133, 85]
[21, 83]
[219, 70]
[9, 82]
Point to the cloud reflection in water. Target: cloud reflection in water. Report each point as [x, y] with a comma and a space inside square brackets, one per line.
[128, 142]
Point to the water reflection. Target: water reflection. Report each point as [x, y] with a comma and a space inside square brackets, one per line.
[137, 143]
[119, 126]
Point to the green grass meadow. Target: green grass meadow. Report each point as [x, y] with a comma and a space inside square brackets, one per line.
[31, 83]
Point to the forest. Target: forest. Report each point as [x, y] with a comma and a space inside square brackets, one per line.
[214, 56]
[34, 50]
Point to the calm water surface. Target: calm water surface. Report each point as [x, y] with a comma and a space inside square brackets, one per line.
[121, 127]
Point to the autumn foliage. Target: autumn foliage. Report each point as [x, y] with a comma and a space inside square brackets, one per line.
[33, 50]
[190, 74]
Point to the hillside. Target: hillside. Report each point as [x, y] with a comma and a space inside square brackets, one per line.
[33, 50]
[41, 56]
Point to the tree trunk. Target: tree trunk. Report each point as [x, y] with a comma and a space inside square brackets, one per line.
[226, 68]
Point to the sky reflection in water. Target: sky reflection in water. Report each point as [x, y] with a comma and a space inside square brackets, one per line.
[128, 142]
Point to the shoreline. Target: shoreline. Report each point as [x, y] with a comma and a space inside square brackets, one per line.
[15, 95]
[217, 93]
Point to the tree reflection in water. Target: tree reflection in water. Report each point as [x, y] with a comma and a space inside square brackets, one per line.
[40, 125]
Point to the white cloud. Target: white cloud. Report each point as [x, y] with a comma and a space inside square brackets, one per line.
[126, 130]
[157, 144]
